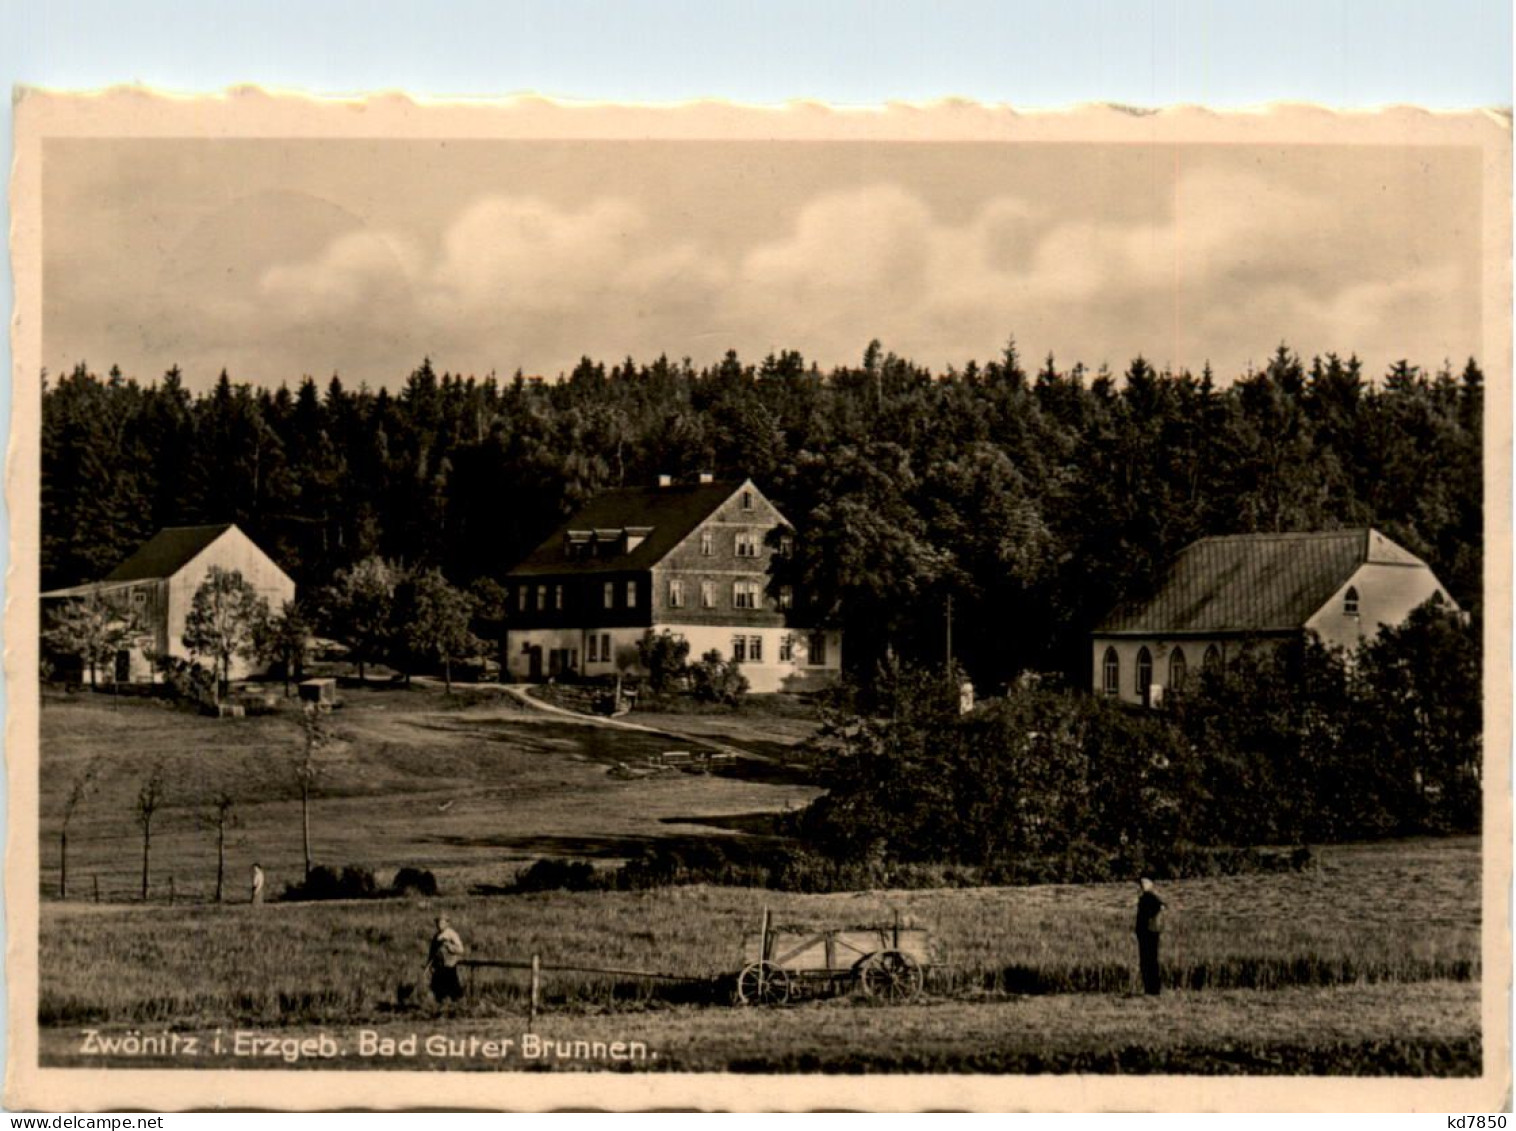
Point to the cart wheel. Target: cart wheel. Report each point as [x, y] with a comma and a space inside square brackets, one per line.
[891, 975]
[763, 983]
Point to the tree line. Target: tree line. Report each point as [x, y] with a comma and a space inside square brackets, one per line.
[1034, 499]
[1291, 744]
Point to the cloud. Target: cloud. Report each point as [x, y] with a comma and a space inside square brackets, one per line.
[1231, 267]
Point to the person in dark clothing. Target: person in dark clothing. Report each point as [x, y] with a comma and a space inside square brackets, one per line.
[1149, 931]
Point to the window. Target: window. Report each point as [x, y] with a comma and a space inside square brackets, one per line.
[745, 595]
[707, 594]
[605, 647]
[739, 649]
[558, 597]
[786, 597]
[1110, 678]
[541, 597]
[816, 650]
[786, 649]
[1144, 675]
[609, 596]
[592, 651]
[139, 598]
[521, 597]
[707, 543]
[786, 545]
[755, 649]
[631, 594]
[1212, 661]
[747, 500]
[747, 544]
[1350, 603]
[1178, 670]
[676, 593]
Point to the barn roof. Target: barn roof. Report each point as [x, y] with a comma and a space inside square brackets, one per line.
[1254, 582]
[664, 516]
[167, 552]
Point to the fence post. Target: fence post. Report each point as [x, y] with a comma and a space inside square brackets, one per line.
[763, 946]
[97, 888]
[171, 891]
[536, 989]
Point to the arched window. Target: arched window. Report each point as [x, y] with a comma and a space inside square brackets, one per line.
[1212, 661]
[1178, 670]
[1110, 680]
[1144, 674]
[1350, 602]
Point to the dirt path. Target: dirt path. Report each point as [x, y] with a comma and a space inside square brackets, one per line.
[522, 692]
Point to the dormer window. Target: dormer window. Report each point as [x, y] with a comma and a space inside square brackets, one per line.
[747, 500]
[1350, 603]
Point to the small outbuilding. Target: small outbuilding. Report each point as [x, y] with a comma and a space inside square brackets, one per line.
[322, 692]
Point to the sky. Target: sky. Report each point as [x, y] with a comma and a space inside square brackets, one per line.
[275, 259]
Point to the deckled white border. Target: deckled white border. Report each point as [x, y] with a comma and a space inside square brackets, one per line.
[250, 112]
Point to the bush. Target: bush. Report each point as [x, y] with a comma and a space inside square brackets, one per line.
[550, 874]
[324, 882]
[664, 657]
[189, 681]
[414, 881]
[714, 680]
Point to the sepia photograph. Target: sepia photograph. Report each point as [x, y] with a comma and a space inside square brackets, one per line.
[659, 598]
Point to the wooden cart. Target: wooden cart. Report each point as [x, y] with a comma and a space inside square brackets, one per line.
[886, 963]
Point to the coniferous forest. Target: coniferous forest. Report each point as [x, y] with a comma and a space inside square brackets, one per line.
[1035, 496]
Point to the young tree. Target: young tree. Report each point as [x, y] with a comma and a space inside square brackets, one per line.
[284, 638]
[93, 629]
[150, 798]
[78, 789]
[664, 657]
[221, 816]
[431, 622]
[225, 619]
[490, 615]
[316, 737]
[357, 609]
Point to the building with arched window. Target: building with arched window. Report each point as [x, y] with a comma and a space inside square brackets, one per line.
[1220, 593]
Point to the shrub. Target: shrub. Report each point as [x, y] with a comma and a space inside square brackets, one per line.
[664, 657]
[324, 882]
[414, 881]
[714, 680]
[548, 874]
[189, 681]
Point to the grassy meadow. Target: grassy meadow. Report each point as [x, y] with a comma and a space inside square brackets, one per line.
[1367, 962]
[471, 787]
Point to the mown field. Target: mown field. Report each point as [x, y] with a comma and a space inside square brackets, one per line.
[1369, 962]
[1373, 924]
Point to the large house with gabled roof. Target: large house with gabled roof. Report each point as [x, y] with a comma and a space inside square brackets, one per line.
[1222, 593]
[689, 558]
[157, 585]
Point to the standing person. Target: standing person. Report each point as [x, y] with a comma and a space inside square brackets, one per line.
[1149, 931]
[257, 885]
[442, 961]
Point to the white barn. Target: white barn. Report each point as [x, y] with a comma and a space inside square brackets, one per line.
[159, 581]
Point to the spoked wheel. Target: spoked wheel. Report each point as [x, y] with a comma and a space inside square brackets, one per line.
[891, 976]
[763, 983]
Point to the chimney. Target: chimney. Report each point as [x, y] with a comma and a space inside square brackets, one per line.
[665, 480]
[707, 477]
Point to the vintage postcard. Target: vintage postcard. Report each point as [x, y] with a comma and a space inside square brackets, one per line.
[521, 606]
